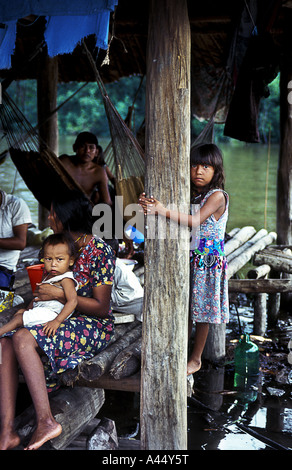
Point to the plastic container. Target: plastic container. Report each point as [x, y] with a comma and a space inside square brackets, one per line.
[35, 274]
[246, 369]
[134, 234]
[246, 357]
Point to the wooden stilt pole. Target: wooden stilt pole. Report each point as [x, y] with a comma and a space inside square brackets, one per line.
[47, 85]
[164, 337]
[284, 186]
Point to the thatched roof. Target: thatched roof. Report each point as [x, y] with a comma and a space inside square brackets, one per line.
[227, 37]
[212, 25]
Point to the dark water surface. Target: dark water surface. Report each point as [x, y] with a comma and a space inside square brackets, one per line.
[246, 172]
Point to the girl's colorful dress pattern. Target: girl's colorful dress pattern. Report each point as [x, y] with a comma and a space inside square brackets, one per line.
[80, 337]
[209, 283]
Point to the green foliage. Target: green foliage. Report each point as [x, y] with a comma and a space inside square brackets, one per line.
[85, 111]
[269, 117]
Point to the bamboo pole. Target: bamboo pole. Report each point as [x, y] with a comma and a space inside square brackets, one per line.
[259, 271]
[239, 261]
[258, 236]
[239, 238]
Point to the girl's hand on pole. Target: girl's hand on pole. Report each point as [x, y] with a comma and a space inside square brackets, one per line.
[150, 205]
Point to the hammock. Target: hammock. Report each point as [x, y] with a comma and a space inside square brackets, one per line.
[39, 167]
[45, 175]
[124, 155]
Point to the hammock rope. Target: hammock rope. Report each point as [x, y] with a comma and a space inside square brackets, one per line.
[128, 156]
[39, 167]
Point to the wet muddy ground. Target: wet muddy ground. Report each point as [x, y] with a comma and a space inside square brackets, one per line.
[219, 417]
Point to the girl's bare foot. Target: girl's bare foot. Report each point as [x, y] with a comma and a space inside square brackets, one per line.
[43, 433]
[9, 440]
[193, 366]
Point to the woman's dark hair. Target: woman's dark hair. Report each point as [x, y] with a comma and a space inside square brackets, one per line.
[57, 238]
[74, 211]
[100, 157]
[209, 154]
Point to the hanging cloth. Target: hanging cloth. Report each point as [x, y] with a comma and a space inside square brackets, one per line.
[7, 43]
[68, 22]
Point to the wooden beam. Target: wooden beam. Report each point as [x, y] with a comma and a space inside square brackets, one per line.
[165, 314]
[106, 382]
[277, 262]
[255, 286]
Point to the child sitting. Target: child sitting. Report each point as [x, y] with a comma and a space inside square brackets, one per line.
[59, 255]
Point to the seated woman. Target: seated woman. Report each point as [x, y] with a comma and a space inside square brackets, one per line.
[78, 338]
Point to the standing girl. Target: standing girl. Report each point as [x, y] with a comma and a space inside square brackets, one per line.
[209, 284]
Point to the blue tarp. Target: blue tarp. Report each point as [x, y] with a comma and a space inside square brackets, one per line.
[68, 21]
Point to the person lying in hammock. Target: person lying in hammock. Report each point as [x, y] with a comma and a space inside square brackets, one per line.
[87, 168]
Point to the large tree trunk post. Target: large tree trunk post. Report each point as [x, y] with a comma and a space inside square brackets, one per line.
[164, 338]
[284, 187]
[47, 90]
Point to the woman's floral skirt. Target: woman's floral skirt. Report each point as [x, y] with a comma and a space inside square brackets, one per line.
[79, 338]
[209, 289]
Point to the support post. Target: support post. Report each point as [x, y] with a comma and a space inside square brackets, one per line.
[47, 86]
[166, 299]
[284, 186]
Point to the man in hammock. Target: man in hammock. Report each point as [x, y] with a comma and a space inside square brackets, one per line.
[87, 168]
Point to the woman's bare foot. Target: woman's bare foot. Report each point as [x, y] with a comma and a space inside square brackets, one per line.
[193, 366]
[43, 433]
[9, 440]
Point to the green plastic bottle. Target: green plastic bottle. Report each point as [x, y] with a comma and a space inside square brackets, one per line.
[246, 363]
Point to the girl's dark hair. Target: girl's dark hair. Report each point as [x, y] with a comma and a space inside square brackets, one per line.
[209, 154]
[56, 238]
[74, 211]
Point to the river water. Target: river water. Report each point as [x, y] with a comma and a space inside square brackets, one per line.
[246, 182]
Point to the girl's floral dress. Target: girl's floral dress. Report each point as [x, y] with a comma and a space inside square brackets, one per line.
[79, 337]
[209, 283]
